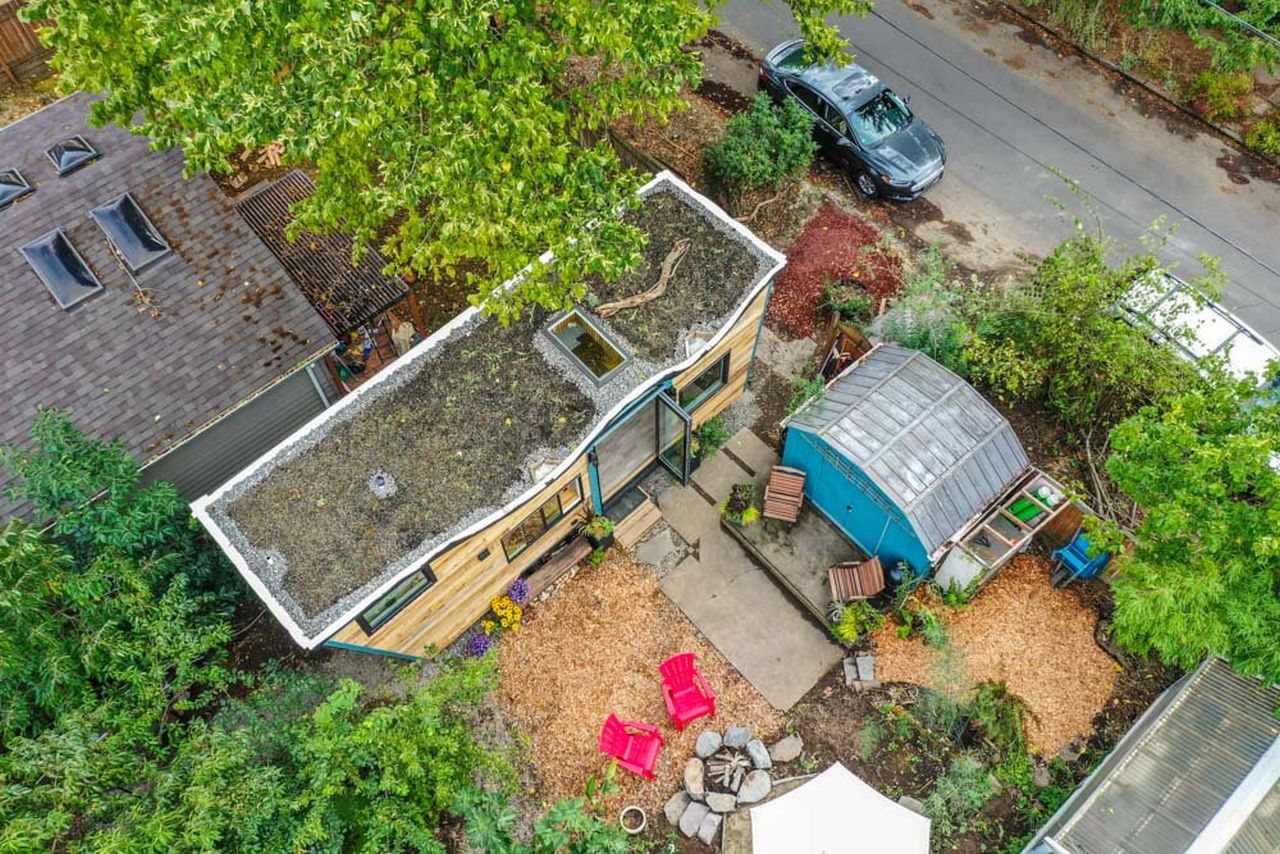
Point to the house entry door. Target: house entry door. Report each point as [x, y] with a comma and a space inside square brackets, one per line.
[674, 426]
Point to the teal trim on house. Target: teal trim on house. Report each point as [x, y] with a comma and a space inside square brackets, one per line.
[768, 298]
[351, 647]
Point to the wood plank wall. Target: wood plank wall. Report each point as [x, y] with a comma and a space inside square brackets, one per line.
[465, 583]
[21, 53]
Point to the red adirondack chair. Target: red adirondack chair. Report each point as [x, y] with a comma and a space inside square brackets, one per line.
[634, 744]
[687, 694]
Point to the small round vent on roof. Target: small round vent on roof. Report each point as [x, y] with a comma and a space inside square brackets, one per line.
[382, 485]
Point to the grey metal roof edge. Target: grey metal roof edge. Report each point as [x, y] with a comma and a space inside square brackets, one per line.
[216, 523]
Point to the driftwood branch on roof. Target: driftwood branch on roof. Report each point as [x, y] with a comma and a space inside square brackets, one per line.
[669, 266]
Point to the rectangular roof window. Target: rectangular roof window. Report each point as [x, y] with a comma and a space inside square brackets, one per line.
[12, 187]
[61, 268]
[587, 345]
[132, 235]
[71, 153]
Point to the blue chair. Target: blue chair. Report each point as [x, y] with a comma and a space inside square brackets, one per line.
[1072, 561]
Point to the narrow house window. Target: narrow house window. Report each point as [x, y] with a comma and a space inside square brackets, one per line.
[704, 385]
[395, 599]
[543, 519]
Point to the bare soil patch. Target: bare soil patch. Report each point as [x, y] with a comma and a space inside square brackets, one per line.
[25, 97]
[678, 144]
[593, 648]
[1020, 630]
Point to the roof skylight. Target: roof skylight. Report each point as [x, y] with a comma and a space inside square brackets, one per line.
[587, 345]
[71, 153]
[12, 187]
[132, 235]
[61, 268]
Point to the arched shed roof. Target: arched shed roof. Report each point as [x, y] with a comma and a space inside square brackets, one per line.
[924, 436]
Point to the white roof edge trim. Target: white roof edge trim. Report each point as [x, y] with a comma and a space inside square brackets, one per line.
[199, 507]
[1241, 805]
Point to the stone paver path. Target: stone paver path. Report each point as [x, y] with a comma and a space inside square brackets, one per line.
[731, 600]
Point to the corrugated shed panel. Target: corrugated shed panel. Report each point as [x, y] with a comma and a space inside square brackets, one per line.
[934, 445]
[1260, 834]
[212, 457]
[1178, 772]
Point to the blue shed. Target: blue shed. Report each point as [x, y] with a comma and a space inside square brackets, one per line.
[900, 454]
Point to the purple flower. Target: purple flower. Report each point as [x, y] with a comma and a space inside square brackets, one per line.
[478, 644]
[519, 592]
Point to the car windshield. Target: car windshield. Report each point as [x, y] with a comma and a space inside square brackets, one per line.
[883, 115]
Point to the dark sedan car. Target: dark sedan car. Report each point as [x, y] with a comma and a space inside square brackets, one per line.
[860, 122]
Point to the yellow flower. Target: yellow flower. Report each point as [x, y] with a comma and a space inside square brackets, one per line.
[488, 626]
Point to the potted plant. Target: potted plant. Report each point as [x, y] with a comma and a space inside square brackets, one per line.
[740, 507]
[599, 531]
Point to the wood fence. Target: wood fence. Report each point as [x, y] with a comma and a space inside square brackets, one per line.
[21, 54]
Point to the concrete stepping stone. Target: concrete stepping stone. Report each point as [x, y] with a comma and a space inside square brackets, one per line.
[787, 749]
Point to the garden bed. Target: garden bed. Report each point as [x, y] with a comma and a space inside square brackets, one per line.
[1020, 630]
[706, 286]
[454, 436]
[593, 648]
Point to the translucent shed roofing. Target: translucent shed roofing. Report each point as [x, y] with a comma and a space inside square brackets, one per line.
[924, 436]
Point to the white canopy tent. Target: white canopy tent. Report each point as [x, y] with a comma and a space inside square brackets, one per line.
[837, 813]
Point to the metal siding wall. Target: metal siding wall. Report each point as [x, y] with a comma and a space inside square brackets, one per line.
[202, 464]
[846, 503]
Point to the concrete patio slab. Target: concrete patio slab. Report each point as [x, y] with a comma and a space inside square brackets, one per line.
[753, 623]
[717, 476]
[752, 451]
[688, 513]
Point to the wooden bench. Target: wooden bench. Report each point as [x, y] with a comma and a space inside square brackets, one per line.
[850, 581]
[569, 556]
[784, 494]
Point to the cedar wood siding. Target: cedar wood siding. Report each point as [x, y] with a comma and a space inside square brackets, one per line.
[465, 584]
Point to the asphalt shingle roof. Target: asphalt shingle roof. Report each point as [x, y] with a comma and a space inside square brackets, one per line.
[934, 445]
[223, 321]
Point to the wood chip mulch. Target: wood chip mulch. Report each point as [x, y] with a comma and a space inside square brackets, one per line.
[594, 647]
[1020, 630]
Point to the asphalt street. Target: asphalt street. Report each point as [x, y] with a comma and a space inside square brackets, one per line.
[1013, 112]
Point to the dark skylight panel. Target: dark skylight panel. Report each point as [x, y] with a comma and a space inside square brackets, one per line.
[12, 187]
[71, 153]
[61, 268]
[134, 238]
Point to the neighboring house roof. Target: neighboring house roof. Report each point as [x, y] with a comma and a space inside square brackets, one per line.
[1199, 771]
[924, 436]
[346, 296]
[206, 325]
[461, 421]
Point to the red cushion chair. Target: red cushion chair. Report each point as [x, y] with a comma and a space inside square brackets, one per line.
[687, 694]
[634, 744]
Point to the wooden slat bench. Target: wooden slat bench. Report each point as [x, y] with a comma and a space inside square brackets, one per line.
[851, 580]
[784, 494]
[569, 556]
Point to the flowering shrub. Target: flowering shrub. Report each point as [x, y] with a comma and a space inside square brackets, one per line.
[507, 612]
[519, 591]
[478, 644]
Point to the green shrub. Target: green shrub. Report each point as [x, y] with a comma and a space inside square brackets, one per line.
[958, 796]
[848, 301]
[804, 388]
[999, 714]
[712, 436]
[857, 620]
[762, 147]
[1221, 96]
[1264, 137]
[927, 314]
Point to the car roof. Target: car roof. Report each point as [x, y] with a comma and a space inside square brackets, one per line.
[849, 86]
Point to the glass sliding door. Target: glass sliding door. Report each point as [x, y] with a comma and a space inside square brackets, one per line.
[673, 437]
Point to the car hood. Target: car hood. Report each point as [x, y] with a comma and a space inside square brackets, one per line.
[911, 153]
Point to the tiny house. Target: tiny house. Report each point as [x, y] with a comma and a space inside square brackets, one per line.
[389, 522]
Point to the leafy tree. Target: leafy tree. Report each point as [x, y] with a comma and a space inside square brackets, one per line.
[1204, 576]
[91, 491]
[762, 147]
[457, 136]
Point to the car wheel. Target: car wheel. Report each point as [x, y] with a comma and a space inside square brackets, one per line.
[866, 185]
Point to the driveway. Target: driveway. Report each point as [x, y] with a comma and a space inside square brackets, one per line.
[1011, 110]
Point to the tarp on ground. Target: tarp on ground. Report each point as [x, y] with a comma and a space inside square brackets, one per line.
[837, 813]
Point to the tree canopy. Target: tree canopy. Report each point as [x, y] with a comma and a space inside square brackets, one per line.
[463, 137]
[1204, 576]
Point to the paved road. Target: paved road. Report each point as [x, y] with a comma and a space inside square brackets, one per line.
[1011, 109]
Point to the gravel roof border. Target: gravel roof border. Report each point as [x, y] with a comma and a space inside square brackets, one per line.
[265, 570]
